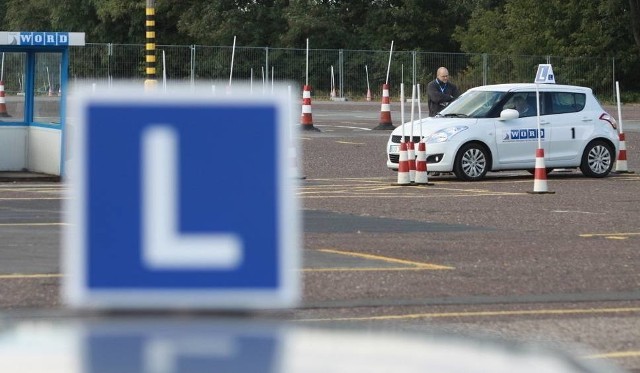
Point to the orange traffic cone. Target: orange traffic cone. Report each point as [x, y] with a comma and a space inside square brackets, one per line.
[307, 119]
[621, 162]
[403, 165]
[422, 177]
[540, 175]
[3, 104]
[385, 110]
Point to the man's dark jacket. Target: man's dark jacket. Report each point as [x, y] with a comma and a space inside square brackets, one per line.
[440, 95]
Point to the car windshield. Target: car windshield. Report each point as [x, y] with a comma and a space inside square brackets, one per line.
[473, 104]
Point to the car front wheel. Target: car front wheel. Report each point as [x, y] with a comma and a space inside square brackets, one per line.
[597, 159]
[471, 163]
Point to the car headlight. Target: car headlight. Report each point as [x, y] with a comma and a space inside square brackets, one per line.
[445, 134]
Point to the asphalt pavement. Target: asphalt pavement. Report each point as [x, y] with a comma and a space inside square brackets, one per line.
[480, 258]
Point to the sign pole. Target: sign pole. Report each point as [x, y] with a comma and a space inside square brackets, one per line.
[233, 52]
[307, 65]
[389, 64]
[150, 47]
[543, 75]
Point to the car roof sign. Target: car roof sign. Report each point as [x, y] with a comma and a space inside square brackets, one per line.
[545, 74]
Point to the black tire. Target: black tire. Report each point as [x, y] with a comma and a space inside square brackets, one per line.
[597, 159]
[472, 162]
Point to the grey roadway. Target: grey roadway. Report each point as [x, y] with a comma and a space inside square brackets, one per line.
[485, 257]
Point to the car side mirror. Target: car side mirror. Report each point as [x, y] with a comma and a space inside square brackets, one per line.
[508, 114]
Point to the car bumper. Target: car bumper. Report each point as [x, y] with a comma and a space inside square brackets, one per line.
[439, 157]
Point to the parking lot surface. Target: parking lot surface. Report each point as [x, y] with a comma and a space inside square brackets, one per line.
[484, 257]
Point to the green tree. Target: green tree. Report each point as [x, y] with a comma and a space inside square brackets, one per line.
[319, 21]
[634, 15]
[424, 25]
[253, 22]
[572, 28]
[559, 27]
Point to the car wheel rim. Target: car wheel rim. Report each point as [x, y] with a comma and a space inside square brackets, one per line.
[473, 162]
[599, 159]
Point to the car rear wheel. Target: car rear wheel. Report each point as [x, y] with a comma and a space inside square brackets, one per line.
[472, 162]
[597, 159]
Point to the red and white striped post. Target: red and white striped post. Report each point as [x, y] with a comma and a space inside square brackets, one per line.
[306, 121]
[403, 165]
[3, 102]
[385, 110]
[621, 162]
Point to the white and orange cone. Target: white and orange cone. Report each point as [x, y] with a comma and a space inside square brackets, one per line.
[403, 165]
[422, 177]
[306, 121]
[385, 110]
[540, 174]
[3, 103]
[621, 162]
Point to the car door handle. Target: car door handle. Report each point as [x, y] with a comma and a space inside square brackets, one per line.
[544, 122]
[587, 119]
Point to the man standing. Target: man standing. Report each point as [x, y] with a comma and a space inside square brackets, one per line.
[441, 92]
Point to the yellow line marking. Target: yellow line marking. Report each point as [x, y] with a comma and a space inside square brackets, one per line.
[386, 259]
[378, 179]
[352, 143]
[31, 198]
[608, 235]
[37, 275]
[423, 196]
[485, 314]
[367, 269]
[617, 238]
[29, 224]
[614, 355]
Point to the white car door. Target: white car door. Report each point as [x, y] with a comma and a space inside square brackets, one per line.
[517, 139]
[571, 124]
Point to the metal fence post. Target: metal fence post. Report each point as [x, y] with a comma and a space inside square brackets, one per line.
[414, 67]
[613, 79]
[341, 71]
[192, 71]
[109, 54]
[265, 79]
[485, 66]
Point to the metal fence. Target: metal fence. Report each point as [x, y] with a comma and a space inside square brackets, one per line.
[350, 72]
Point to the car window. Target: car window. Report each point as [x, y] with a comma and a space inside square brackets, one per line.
[567, 102]
[523, 102]
[473, 104]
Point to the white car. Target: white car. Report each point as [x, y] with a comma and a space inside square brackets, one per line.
[489, 128]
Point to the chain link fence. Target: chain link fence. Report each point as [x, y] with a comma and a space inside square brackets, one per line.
[348, 73]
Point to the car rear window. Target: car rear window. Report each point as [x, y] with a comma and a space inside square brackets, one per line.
[567, 102]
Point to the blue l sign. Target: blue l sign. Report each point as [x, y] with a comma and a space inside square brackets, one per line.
[182, 200]
[545, 74]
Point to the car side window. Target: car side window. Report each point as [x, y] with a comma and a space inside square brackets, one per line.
[523, 102]
[567, 102]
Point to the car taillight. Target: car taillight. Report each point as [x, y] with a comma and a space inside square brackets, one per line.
[608, 118]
